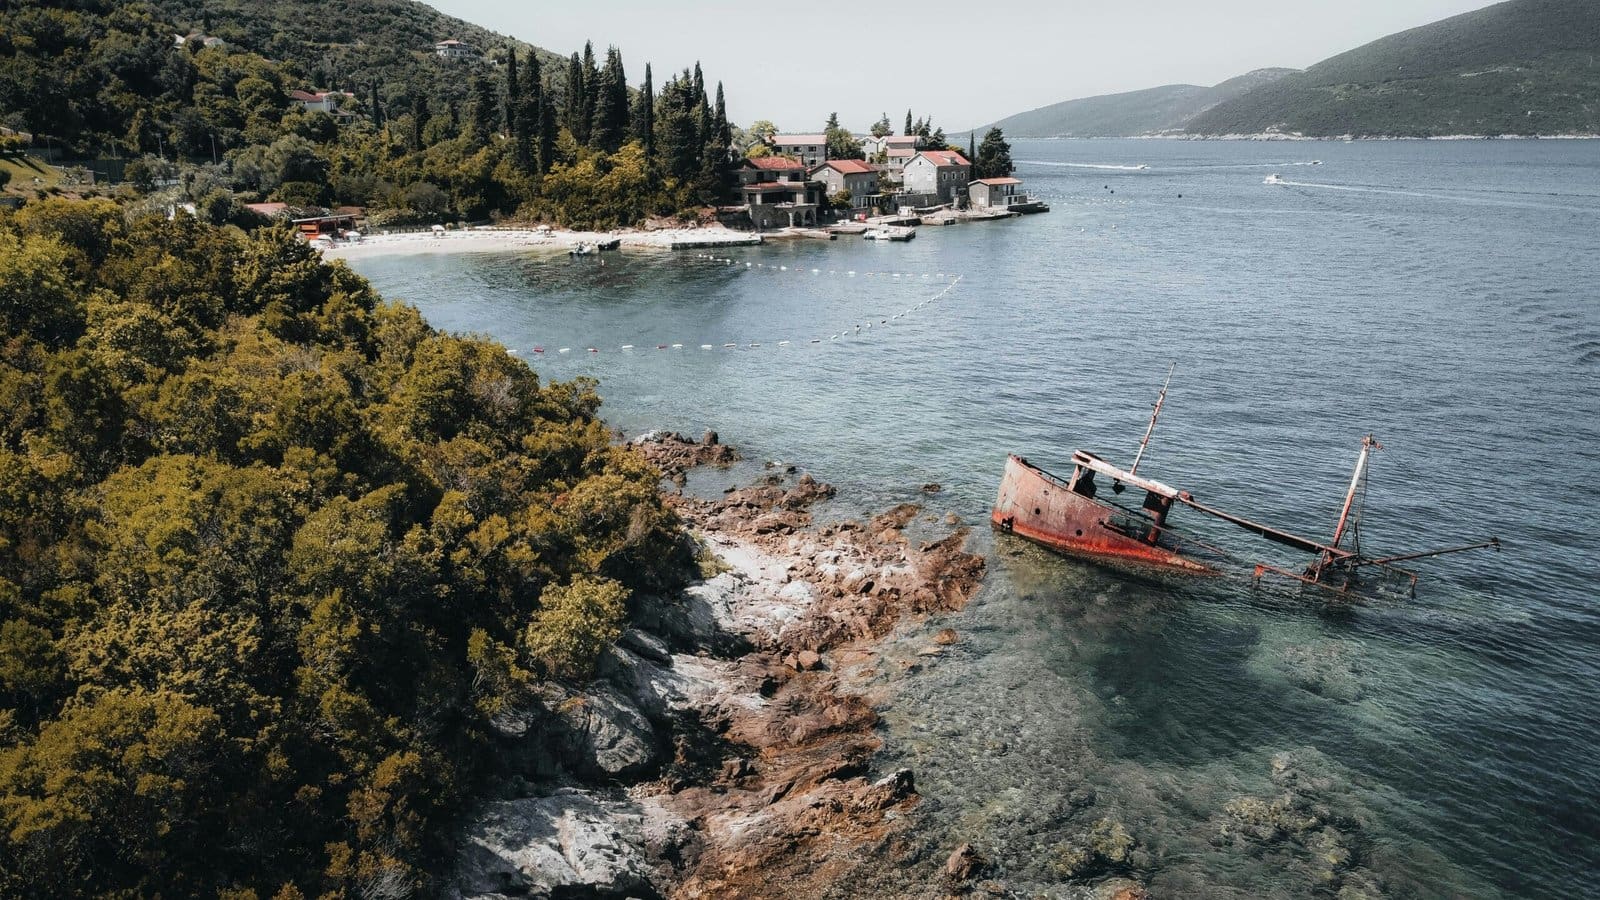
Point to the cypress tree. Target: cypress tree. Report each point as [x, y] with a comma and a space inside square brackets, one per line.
[377, 107]
[573, 116]
[508, 113]
[419, 118]
[972, 154]
[530, 99]
[909, 129]
[644, 114]
[484, 113]
[591, 87]
[549, 125]
[723, 127]
[610, 125]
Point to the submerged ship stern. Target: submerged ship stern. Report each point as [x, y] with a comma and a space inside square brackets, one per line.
[1064, 515]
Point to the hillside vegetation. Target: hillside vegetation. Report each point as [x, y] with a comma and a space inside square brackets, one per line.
[349, 44]
[1157, 110]
[274, 556]
[420, 140]
[1521, 67]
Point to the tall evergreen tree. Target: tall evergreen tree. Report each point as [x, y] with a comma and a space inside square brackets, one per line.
[610, 125]
[377, 107]
[678, 143]
[484, 113]
[724, 128]
[994, 156]
[591, 79]
[529, 111]
[419, 118]
[573, 115]
[972, 153]
[549, 129]
[909, 130]
[882, 128]
[644, 114]
[508, 112]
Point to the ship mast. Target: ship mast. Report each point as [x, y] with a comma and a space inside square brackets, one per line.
[1368, 444]
[1155, 414]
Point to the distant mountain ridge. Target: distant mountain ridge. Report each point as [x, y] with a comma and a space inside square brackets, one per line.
[1158, 110]
[1524, 67]
[1520, 67]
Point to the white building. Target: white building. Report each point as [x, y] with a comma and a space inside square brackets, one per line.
[454, 49]
[942, 172]
[321, 101]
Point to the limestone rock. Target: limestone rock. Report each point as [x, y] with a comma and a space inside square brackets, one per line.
[569, 843]
[607, 734]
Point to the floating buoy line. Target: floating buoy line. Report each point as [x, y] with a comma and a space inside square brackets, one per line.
[817, 339]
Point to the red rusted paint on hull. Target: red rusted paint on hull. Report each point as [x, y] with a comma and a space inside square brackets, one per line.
[1040, 508]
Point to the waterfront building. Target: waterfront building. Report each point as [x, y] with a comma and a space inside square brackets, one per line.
[942, 172]
[811, 149]
[852, 175]
[778, 192]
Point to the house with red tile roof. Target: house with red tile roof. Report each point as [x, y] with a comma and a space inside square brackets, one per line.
[1003, 193]
[321, 101]
[942, 172]
[778, 192]
[857, 178]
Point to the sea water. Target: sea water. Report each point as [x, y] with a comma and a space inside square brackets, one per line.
[1439, 295]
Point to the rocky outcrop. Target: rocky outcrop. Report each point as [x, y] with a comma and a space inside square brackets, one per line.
[725, 696]
[675, 454]
[569, 843]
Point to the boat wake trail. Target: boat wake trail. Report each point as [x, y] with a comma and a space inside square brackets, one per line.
[1067, 165]
[1449, 198]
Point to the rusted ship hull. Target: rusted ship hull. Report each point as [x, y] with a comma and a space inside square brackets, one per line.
[1042, 508]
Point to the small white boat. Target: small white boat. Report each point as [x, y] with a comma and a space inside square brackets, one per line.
[583, 250]
[891, 233]
[1274, 178]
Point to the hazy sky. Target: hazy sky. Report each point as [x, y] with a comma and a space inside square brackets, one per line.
[966, 63]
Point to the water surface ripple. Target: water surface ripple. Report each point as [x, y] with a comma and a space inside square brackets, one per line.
[1439, 295]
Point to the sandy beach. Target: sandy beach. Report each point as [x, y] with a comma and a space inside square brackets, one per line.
[492, 240]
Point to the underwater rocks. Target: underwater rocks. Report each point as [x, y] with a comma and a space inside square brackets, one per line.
[1331, 669]
[1311, 821]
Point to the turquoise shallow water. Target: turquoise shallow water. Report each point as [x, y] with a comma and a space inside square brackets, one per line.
[1441, 295]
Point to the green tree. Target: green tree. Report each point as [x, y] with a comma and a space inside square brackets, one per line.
[609, 126]
[574, 623]
[882, 128]
[841, 143]
[644, 114]
[994, 156]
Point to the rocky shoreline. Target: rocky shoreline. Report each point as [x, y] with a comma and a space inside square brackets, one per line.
[721, 751]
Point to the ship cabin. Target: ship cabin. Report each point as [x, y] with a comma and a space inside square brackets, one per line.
[1151, 520]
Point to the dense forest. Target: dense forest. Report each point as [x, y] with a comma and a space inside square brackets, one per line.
[518, 133]
[274, 555]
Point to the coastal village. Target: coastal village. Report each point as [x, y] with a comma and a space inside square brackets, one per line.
[823, 185]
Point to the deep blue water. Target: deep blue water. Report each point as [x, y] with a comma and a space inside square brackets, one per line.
[1441, 295]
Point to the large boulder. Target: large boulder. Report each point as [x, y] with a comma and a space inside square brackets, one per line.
[605, 734]
[570, 843]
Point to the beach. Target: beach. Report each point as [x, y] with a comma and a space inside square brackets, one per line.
[497, 239]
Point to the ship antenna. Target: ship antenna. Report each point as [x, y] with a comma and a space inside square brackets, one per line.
[1154, 414]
